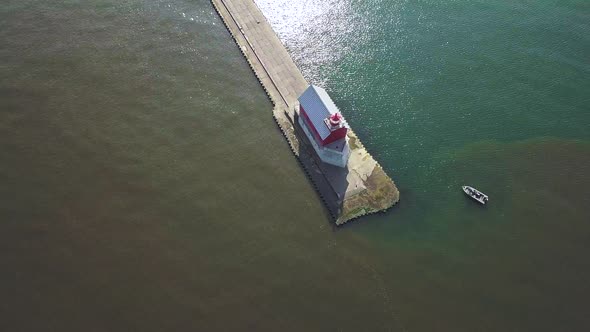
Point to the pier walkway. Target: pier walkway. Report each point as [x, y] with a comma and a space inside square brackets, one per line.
[264, 51]
[358, 189]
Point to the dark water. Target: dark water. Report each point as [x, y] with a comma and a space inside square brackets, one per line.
[145, 186]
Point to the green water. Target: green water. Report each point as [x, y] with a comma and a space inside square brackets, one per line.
[145, 186]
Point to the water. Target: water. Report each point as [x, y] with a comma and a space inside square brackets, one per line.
[146, 187]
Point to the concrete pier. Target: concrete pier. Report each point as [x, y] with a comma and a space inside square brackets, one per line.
[360, 188]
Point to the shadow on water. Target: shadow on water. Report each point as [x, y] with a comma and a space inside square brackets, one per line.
[331, 192]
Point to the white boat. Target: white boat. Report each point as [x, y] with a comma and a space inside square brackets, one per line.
[475, 194]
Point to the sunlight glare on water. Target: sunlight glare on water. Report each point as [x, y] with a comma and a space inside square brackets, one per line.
[317, 33]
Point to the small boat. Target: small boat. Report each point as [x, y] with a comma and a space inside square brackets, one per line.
[475, 194]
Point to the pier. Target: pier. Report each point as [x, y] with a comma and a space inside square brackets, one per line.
[360, 188]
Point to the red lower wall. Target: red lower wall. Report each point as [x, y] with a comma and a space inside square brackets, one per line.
[334, 136]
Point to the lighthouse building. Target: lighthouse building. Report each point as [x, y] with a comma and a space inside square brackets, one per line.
[324, 126]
